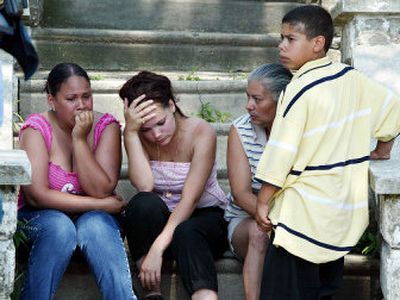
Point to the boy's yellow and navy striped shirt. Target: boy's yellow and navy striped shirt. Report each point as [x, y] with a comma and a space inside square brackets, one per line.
[318, 154]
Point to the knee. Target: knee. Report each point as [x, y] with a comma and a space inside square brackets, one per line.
[143, 206]
[59, 228]
[94, 224]
[257, 238]
[185, 234]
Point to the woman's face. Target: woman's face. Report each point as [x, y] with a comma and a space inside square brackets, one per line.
[260, 105]
[161, 128]
[74, 96]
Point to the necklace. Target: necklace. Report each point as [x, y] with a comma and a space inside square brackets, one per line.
[163, 172]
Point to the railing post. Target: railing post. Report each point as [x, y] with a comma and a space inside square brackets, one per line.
[370, 38]
[371, 44]
[385, 182]
[15, 169]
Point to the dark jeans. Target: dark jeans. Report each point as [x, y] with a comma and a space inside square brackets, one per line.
[196, 242]
[288, 277]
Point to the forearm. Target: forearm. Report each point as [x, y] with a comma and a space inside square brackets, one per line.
[246, 200]
[69, 203]
[266, 193]
[139, 170]
[182, 212]
[93, 179]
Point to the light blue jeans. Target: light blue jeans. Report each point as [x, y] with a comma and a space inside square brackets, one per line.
[55, 235]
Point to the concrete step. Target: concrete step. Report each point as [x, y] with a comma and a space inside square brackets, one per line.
[105, 49]
[172, 15]
[360, 274]
[226, 93]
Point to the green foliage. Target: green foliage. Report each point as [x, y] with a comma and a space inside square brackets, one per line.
[368, 243]
[191, 76]
[20, 240]
[211, 114]
[96, 77]
[20, 119]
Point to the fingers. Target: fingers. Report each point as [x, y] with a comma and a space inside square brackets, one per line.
[149, 279]
[84, 117]
[139, 111]
[264, 225]
[137, 100]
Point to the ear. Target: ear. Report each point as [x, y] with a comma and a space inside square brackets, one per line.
[50, 101]
[171, 105]
[319, 44]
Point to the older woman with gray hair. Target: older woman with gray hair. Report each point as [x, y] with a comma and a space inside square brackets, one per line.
[247, 138]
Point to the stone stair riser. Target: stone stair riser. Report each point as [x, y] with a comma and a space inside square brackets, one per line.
[203, 16]
[163, 55]
[225, 96]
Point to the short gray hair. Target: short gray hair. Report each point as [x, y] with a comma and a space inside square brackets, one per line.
[273, 77]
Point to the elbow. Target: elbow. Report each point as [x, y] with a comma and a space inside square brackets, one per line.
[146, 185]
[101, 190]
[33, 203]
[145, 188]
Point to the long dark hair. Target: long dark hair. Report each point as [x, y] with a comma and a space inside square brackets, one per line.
[154, 86]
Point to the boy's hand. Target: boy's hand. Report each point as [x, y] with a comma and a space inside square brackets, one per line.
[263, 222]
[265, 195]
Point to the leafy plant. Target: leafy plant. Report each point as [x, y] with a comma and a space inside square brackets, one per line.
[368, 243]
[20, 119]
[211, 114]
[191, 76]
[20, 240]
[96, 77]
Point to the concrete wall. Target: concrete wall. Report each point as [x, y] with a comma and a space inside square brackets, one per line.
[371, 43]
[15, 169]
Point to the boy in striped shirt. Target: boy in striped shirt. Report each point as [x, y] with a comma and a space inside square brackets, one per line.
[314, 169]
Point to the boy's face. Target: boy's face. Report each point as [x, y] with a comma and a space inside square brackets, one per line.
[295, 49]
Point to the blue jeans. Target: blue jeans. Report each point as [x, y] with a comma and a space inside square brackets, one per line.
[55, 235]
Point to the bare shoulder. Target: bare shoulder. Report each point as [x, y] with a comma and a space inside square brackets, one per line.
[200, 127]
[98, 115]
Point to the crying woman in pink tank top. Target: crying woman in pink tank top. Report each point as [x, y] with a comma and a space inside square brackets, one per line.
[75, 155]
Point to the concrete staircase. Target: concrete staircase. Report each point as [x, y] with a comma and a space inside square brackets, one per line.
[206, 47]
[160, 35]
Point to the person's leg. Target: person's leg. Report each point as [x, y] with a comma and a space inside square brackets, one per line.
[331, 278]
[145, 218]
[251, 244]
[99, 238]
[53, 238]
[287, 277]
[196, 242]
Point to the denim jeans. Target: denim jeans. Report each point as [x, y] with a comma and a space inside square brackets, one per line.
[55, 235]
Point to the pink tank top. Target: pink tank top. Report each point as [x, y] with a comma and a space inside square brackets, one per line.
[170, 177]
[58, 178]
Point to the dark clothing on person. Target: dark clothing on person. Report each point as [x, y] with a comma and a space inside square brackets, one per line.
[196, 242]
[288, 277]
